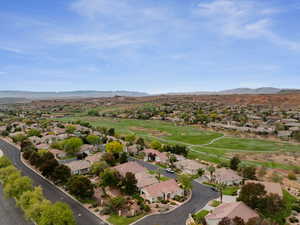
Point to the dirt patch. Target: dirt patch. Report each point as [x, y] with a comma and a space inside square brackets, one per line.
[156, 133]
[288, 158]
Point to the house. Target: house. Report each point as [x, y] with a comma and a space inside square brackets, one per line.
[284, 134]
[94, 158]
[157, 155]
[87, 149]
[58, 154]
[230, 210]
[164, 190]
[79, 167]
[145, 179]
[35, 140]
[189, 166]
[42, 146]
[49, 139]
[270, 187]
[227, 176]
[130, 167]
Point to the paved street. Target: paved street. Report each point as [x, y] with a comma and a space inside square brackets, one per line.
[51, 192]
[201, 195]
[9, 213]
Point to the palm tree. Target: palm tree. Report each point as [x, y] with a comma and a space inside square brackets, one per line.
[211, 170]
[221, 187]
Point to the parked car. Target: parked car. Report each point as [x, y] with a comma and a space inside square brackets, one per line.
[170, 170]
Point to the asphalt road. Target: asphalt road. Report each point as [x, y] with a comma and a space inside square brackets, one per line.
[9, 213]
[50, 191]
[201, 195]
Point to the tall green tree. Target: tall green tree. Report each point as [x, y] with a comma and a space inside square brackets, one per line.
[72, 145]
[234, 163]
[81, 187]
[57, 214]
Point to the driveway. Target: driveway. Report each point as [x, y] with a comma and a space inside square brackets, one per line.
[201, 195]
[51, 192]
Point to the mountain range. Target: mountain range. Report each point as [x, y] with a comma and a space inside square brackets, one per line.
[24, 96]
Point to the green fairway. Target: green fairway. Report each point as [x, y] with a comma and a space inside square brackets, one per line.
[203, 145]
[253, 145]
[169, 132]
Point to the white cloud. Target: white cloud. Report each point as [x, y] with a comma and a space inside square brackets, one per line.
[12, 50]
[97, 40]
[243, 19]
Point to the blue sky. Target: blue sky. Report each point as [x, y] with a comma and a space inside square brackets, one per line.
[149, 45]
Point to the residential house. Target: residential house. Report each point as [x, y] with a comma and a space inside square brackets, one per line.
[230, 210]
[189, 166]
[145, 179]
[227, 176]
[79, 167]
[58, 154]
[87, 149]
[270, 187]
[132, 167]
[157, 155]
[164, 190]
[94, 158]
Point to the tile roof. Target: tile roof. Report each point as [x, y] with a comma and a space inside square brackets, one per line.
[231, 210]
[156, 190]
[270, 187]
[132, 167]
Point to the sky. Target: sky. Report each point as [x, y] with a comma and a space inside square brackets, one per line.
[154, 46]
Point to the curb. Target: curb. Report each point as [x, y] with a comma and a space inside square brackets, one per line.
[57, 187]
[164, 213]
[62, 190]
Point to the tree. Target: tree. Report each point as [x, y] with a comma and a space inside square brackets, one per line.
[292, 176]
[109, 158]
[130, 138]
[225, 221]
[271, 205]
[4, 162]
[16, 187]
[8, 171]
[81, 187]
[93, 112]
[234, 163]
[251, 194]
[61, 174]
[48, 167]
[211, 170]
[57, 214]
[28, 199]
[123, 157]
[93, 139]
[34, 132]
[221, 187]
[155, 145]
[111, 132]
[114, 147]
[200, 172]
[115, 204]
[98, 167]
[70, 129]
[249, 172]
[186, 181]
[140, 141]
[19, 138]
[110, 178]
[72, 145]
[129, 184]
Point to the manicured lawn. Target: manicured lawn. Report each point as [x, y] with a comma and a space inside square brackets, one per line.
[253, 145]
[121, 220]
[152, 128]
[200, 215]
[215, 203]
[230, 190]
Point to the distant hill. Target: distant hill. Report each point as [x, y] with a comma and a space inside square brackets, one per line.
[262, 90]
[11, 100]
[68, 94]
